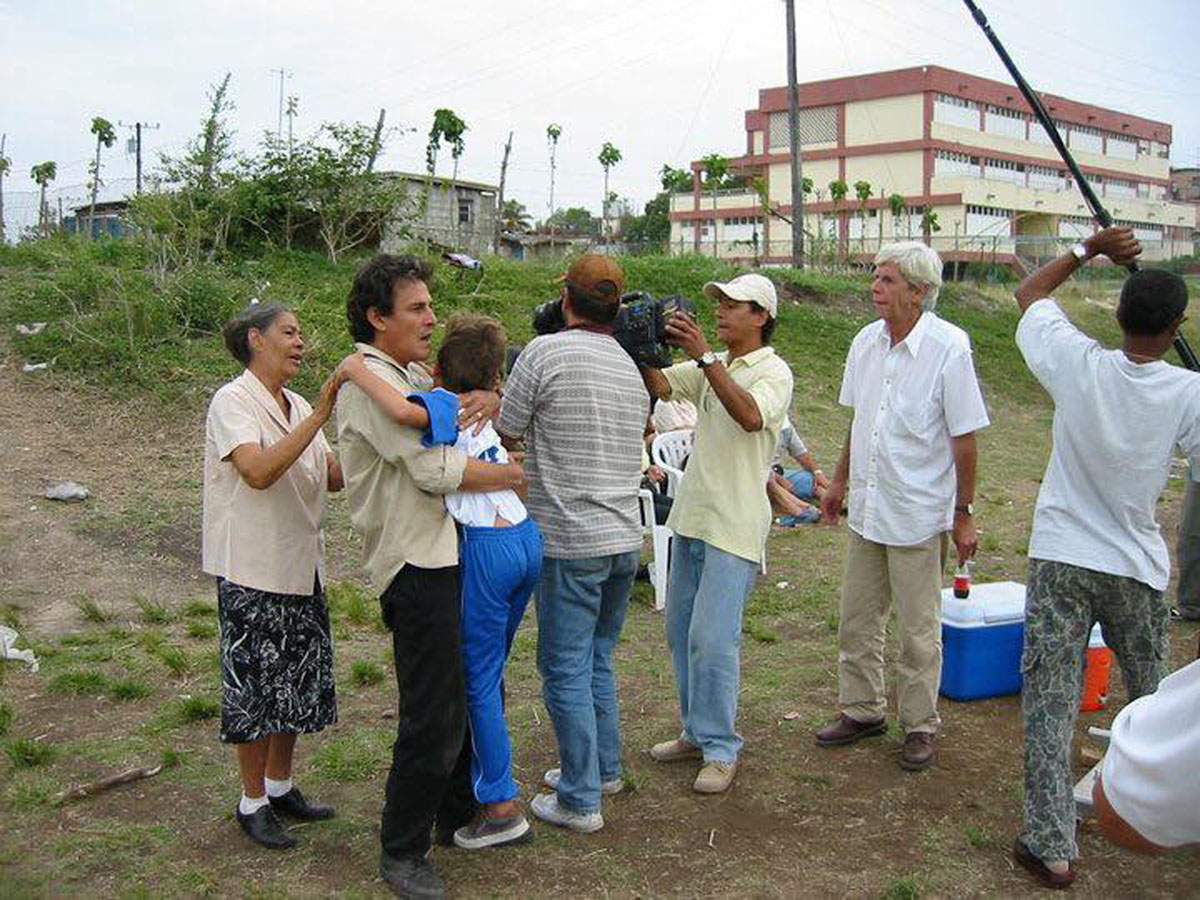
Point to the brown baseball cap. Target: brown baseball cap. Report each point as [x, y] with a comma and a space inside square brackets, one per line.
[597, 275]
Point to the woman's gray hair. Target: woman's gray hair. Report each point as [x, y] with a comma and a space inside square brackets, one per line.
[257, 316]
[919, 264]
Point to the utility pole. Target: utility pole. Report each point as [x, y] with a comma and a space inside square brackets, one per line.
[293, 109]
[794, 142]
[4, 164]
[500, 198]
[282, 73]
[137, 146]
[375, 141]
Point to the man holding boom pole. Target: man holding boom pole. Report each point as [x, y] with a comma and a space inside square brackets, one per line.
[1095, 553]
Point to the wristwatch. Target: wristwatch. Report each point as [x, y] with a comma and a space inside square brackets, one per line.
[1080, 251]
[967, 509]
[707, 359]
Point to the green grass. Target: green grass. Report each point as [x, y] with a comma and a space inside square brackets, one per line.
[153, 612]
[6, 718]
[90, 609]
[78, 682]
[129, 689]
[350, 603]
[189, 710]
[174, 659]
[907, 888]
[201, 630]
[364, 673]
[352, 757]
[26, 753]
[198, 609]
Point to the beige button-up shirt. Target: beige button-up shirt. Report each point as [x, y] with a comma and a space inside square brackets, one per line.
[268, 539]
[723, 497]
[394, 485]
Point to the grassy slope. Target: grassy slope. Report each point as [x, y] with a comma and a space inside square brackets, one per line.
[102, 309]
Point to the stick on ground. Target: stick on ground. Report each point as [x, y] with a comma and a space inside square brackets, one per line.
[98, 787]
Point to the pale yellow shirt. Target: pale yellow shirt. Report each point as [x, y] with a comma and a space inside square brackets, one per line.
[268, 539]
[395, 486]
[723, 499]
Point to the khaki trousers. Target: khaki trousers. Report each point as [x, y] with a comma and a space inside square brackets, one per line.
[876, 576]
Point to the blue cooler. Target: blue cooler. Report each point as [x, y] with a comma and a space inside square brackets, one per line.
[982, 637]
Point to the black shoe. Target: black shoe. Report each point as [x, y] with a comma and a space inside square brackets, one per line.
[411, 876]
[264, 828]
[294, 804]
[443, 836]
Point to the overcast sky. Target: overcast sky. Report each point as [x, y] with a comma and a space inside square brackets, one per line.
[663, 80]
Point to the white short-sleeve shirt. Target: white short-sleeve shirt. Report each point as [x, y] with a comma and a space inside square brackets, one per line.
[1116, 426]
[268, 539]
[481, 508]
[908, 401]
[1149, 771]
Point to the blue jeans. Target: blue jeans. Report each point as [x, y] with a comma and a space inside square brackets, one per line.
[500, 567]
[706, 597]
[581, 605]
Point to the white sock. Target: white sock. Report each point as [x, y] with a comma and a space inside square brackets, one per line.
[278, 788]
[248, 806]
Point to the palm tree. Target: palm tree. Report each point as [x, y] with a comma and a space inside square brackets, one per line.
[514, 216]
[609, 157]
[862, 190]
[552, 134]
[5, 166]
[449, 127]
[43, 174]
[105, 137]
[716, 167]
[838, 190]
[896, 205]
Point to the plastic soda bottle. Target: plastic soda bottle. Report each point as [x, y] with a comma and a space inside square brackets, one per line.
[962, 580]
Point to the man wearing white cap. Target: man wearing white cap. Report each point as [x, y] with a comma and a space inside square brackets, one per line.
[909, 461]
[721, 515]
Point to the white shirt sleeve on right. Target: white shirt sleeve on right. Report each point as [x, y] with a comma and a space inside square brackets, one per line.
[1051, 345]
[1149, 771]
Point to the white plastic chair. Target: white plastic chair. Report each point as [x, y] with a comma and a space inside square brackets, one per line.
[669, 452]
[660, 547]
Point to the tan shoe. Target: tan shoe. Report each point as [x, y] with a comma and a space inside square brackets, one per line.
[671, 751]
[715, 777]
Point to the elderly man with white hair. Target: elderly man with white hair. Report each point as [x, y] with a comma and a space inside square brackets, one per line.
[909, 461]
[721, 515]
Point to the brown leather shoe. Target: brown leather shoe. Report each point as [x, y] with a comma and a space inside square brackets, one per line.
[845, 730]
[917, 752]
[1035, 867]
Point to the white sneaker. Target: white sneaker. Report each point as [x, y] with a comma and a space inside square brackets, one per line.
[554, 776]
[715, 777]
[546, 808]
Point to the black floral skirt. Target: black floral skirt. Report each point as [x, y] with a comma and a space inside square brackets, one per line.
[276, 663]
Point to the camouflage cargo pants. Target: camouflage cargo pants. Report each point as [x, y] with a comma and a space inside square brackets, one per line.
[1062, 603]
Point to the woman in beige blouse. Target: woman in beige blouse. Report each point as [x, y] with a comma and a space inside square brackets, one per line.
[267, 468]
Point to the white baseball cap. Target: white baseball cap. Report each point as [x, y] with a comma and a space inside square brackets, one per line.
[751, 288]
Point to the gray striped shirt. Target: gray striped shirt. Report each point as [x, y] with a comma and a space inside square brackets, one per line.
[578, 401]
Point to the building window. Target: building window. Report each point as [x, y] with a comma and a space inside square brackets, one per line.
[1006, 122]
[466, 211]
[956, 111]
[818, 125]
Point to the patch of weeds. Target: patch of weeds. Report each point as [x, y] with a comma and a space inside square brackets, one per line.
[832, 621]
[906, 888]
[172, 759]
[151, 640]
[27, 795]
[26, 753]
[811, 779]
[196, 709]
[6, 717]
[201, 631]
[764, 634]
[174, 659]
[350, 602]
[83, 639]
[199, 609]
[153, 612]
[90, 609]
[981, 838]
[364, 673]
[78, 681]
[10, 616]
[129, 689]
[196, 881]
[354, 757]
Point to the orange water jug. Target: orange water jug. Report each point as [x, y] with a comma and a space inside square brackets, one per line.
[1096, 673]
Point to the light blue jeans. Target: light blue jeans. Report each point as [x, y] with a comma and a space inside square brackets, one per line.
[706, 597]
[581, 605]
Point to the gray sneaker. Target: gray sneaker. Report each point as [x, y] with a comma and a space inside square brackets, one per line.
[554, 776]
[484, 832]
[411, 877]
[546, 808]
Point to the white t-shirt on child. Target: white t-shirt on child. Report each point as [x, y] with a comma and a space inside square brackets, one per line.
[481, 509]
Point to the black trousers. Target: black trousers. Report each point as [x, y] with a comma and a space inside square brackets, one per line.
[430, 778]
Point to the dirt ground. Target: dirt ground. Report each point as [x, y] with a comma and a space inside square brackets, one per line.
[800, 821]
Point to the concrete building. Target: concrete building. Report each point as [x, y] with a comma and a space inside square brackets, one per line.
[976, 174]
[1185, 188]
[464, 219]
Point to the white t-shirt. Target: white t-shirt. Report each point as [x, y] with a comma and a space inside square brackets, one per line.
[1116, 425]
[1149, 772]
[481, 509]
[908, 401]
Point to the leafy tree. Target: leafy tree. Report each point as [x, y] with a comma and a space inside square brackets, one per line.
[553, 132]
[929, 222]
[514, 217]
[675, 181]
[43, 174]
[716, 169]
[448, 127]
[653, 227]
[5, 167]
[575, 221]
[609, 157]
[105, 137]
[862, 192]
[838, 190]
[896, 205]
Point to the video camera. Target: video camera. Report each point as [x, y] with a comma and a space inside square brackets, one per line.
[640, 325]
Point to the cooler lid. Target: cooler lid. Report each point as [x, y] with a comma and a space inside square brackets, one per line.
[988, 604]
